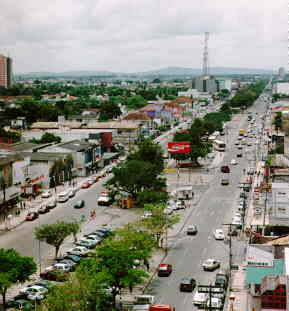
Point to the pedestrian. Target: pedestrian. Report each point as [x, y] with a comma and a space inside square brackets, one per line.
[24, 205]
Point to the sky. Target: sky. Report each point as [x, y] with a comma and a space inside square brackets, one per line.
[142, 35]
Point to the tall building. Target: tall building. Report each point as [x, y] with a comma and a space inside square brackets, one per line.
[5, 71]
[281, 73]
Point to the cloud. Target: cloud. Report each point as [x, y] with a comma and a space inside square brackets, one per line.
[135, 35]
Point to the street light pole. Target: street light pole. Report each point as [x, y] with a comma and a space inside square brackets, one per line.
[230, 252]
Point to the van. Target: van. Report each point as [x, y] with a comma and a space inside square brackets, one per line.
[161, 308]
[200, 299]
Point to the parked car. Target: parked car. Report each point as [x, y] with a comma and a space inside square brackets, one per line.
[239, 155]
[46, 194]
[85, 185]
[51, 204]
[68, 262]
[31, 216]
[43, 209]
[165, 269]
[87, 243]
[79, 204]
[211, 264]
[225, 169]
[33, 290]
[42, 283]
[187, 285]
[74, 258]
[146, 215]
[234, 162]
[59, 266]
[200, 299]
[78, 251]
[219, 234]
[192, 230]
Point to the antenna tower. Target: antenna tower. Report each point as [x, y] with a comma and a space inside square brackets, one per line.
[206, 56]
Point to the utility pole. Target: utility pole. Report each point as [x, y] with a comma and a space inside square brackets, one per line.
[230, 252]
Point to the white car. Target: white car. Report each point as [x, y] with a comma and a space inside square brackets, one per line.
[79, 251]
[34, 290]
[58, 266]
[46, 194]
[93, 238]
[211, 264]
[219, 234]
[146, 215]
[104, 199]
[234, 162]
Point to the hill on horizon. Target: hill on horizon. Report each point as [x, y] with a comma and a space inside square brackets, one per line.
[168, 71]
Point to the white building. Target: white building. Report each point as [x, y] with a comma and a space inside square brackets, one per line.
[279, 213]
[281, 88]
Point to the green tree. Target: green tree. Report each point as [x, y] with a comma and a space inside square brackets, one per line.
[14, 268]
[135, 102]
[54, 234]
[148, 196]
[75, 228]
[109, 111]
[46, 138]
[134, 176]
[160, 222]
[151, 152]
[117, 258]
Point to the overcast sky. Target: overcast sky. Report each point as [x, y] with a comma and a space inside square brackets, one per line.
[141, 35]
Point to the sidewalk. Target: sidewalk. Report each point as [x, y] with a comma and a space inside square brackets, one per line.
[12, 220]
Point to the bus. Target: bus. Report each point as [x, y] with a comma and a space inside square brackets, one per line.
[63, 196]
[219, 145]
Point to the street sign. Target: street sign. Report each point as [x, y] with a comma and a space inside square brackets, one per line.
[209, 288]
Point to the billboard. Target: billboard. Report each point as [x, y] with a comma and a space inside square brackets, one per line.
[178, 147]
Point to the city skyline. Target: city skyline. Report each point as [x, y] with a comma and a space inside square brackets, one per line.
[134, 36]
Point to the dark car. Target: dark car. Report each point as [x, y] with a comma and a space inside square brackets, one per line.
[192, 230]
[43, 209]
[239, 155]
[187, 285]
[74, 258]
[79, 204]
[31, 216]
[225, 169]
[20, 304]
[165, 269]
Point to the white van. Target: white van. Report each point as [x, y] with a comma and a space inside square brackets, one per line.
[63, 196]
[200, 299]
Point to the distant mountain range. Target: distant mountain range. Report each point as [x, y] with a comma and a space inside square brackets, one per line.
[169, 71]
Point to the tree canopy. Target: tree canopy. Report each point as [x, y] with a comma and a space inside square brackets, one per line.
[14, 268]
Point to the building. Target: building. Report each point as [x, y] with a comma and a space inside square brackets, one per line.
[5, 71]
[279, 214]
[85, 155]
[281, 73]
[281, 88]
[224, 84]
[206, 84]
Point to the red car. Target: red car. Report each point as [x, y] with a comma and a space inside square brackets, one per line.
[85, 185]
[164, 269]
[31, 216]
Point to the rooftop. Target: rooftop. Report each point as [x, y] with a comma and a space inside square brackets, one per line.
[254, 275]
[23, 146]
[137, 116]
